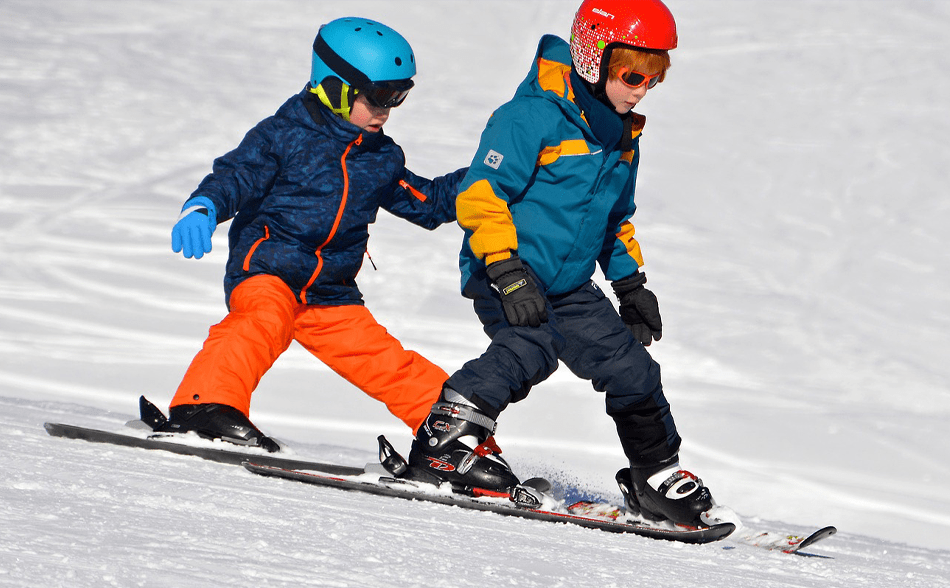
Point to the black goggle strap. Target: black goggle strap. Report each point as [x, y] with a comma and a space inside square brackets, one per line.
[381, 94]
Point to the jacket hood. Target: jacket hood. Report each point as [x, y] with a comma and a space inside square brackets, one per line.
[551, 78]
[549, 74]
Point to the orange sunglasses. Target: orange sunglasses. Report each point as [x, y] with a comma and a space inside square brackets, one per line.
[635, 79]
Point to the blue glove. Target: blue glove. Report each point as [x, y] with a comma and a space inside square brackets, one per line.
[192, 233]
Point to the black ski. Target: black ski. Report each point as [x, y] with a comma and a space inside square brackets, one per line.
[222, 455]
[383, 485]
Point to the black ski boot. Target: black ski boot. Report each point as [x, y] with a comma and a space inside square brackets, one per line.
[455, 445]
[217, 421]
[665, 492]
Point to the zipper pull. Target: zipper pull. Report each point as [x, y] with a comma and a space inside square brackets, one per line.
[370, 258]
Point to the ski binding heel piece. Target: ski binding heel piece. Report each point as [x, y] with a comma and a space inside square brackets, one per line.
[390, 459]
[151, 415]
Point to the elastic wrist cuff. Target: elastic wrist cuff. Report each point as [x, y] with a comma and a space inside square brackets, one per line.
[192, 209]
[201, 202]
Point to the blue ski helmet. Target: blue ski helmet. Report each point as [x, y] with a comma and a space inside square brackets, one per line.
[366, 55]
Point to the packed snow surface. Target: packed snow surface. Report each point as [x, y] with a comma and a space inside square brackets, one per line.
[793, 211]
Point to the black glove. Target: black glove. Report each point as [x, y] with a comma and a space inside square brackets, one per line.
[638, 308]
[524, 305]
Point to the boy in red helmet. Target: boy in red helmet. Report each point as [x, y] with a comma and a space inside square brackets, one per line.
[548, 196]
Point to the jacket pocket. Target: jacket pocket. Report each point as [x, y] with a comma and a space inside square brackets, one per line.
[250, 254]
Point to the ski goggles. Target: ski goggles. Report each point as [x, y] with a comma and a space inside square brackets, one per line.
[635, 79]
[388, 94]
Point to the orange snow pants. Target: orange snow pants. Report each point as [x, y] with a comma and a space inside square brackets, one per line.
[265, 318]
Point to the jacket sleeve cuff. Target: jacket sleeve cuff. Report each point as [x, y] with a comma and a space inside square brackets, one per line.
[498, 256]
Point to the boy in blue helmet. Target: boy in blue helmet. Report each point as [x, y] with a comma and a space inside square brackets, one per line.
[549, 197]
[302, 188]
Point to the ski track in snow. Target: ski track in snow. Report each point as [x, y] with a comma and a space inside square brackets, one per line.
[792, 213]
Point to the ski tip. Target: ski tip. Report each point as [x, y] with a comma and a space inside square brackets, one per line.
[817, 536]
[724, 529]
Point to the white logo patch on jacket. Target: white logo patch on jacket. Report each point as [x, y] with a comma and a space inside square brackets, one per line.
[493, 159]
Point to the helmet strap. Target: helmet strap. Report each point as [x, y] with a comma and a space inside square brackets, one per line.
[336, 96]
[604, 70]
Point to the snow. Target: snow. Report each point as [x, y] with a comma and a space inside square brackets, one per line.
[793, 214]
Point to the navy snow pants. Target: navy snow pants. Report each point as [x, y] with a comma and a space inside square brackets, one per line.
[584, 331]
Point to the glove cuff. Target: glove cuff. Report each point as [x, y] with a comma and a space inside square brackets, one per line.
[629, 284]
[196, 203]
[498, 269]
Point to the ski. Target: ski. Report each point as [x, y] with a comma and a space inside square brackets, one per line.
[527, 502]
[786, 543]
[152, 420]
[579, 514]
[772, 541]
[206, 450]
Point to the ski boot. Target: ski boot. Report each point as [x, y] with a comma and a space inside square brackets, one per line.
[665, 492]
[217, 421]
[455, 445]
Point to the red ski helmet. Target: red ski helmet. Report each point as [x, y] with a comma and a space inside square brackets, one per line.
[600, 25]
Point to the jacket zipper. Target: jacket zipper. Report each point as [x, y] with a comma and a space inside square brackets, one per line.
[336, 221]
[247, 258]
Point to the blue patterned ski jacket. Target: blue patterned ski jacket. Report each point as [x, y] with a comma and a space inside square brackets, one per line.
[302, 188]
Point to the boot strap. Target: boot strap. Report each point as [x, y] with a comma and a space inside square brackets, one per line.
[465, 413]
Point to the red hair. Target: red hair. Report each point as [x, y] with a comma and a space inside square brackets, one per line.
[646, 61]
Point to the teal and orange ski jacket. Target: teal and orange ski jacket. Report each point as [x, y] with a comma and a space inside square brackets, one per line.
[542, 185]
